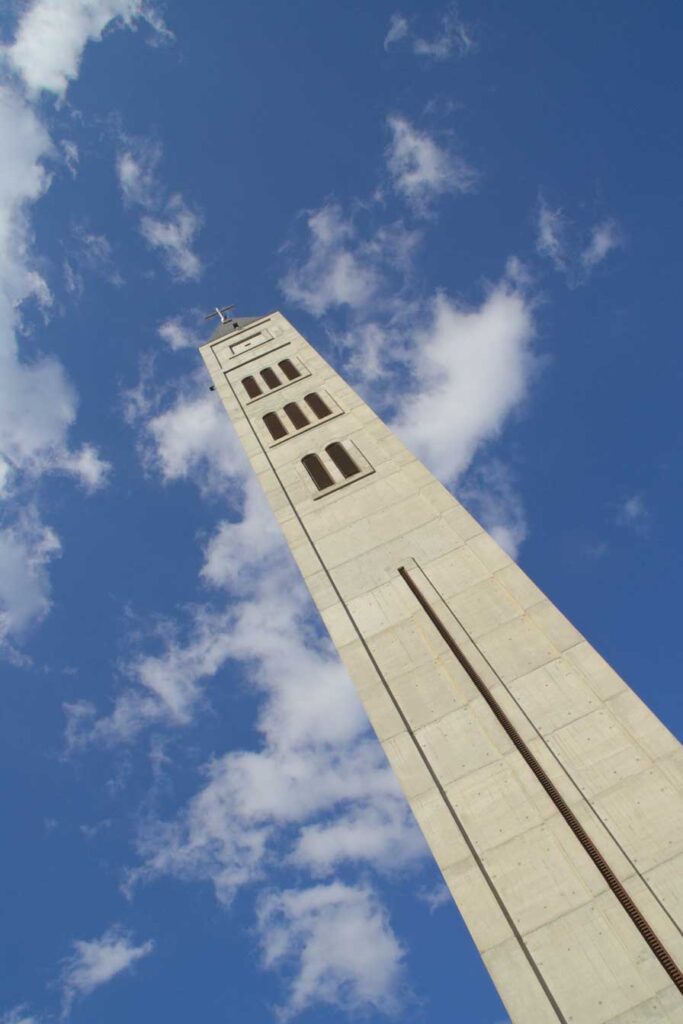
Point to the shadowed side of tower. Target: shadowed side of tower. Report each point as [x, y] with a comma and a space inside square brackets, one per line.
[549, 794]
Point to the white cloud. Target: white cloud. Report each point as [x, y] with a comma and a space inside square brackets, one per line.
[422, 170]
[52, 35]
[454, 38]
[136, 168]
[490, 494]
[179, 331]
[95, 962]
[225, 563]
[317, 764]
[366, 834]
[634, 514]
[18, 1015]
[174, 233]
[87, 466]
[559, 241]
[317, 787]
[470, 368]
[435, 897]
[168, 224]
[398, 29]
[71, 156]
[605, 237]
[26, 548]
[342, 268]
[88, 253]
[339, 942]
[37, 402]
[193, 439]
[550, 235]
[333, 274]
[467, 369]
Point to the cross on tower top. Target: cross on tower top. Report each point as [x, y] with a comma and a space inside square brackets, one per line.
[220, 313]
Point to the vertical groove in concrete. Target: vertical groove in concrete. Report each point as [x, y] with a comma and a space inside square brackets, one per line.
[657, 947]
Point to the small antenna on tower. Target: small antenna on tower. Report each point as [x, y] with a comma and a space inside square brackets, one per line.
[220, 313]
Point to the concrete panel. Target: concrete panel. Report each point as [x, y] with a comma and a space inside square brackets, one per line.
[600, 753]
[595, 962]
[643, 812]
[477, 903]
[519, 987]
[540, 876]
[667, 882]
[409, 767]
[463, 741]
[483, 607]
[496, 804]
[516, 648]
[554, 695]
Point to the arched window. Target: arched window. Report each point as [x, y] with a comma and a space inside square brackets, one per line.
[251, 387]
[320, 408]
[296, 415]
[270, 377]
[289, 369]
[317, 472]
[275, 426]
[342, 460]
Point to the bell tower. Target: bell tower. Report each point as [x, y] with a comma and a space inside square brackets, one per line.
[550, 795]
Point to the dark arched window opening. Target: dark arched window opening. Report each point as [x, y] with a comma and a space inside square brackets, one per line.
[289, 369]
[317, 472]
[251, 387]
[319, 407]
[275, 426]
[342, 460]
[296, 415]
[270, 377]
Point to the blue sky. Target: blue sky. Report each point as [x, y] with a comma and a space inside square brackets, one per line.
[475, 214]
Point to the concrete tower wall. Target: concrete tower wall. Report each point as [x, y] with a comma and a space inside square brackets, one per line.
[549, 794]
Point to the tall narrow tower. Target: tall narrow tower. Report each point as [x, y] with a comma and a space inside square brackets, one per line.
[549, 794]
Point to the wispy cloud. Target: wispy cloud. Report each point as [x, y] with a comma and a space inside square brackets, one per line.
[452, 39]
[489, 490]
[52, 35]
[470, 369]
[88, 253]
[342, 267]
[421, 170]
[572, 251]
[318, 785]
[634, 514]
[27, 546]
[435, 897]
[35, 436]
[448, 376]
[181, 331]
[338, 941]
[95, 962]
[18, 1015]
[550, 235]
[315, 791]
[167, 223]
[604, 238]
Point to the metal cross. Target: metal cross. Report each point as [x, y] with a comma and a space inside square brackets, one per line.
[220, 313]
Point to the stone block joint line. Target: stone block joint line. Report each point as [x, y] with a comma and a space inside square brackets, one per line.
[638, 919]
